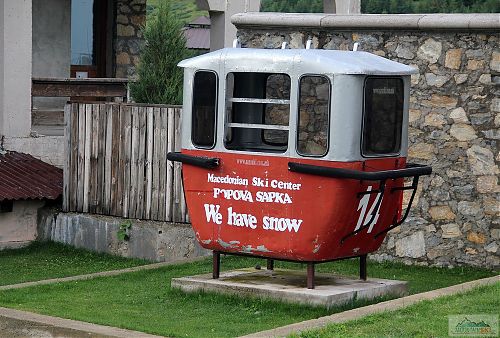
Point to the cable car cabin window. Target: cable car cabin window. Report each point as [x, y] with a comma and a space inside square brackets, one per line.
[383, 116]
[313, 125]
[257, 112]
[204, 109]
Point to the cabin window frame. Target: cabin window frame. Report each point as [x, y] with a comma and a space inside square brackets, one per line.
[227, 121]
[297, 123]
[216, 106]
[363, 117]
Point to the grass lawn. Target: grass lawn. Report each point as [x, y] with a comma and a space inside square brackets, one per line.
[425, 319]
[52, 260]
[144, 300]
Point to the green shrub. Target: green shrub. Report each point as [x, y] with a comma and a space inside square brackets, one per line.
[159, 78]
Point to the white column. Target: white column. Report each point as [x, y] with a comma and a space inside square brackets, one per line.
[222, 31]
[342, 6]
[15, 68]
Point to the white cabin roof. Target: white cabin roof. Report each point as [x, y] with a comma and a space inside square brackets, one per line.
[299, 61]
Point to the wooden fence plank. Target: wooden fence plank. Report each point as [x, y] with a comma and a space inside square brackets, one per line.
[106, 208]
[115, 159]
[127, 112]
[178, 215]
[134, 153]
[74, 178]
[119, 177]
[81, 156]
[169, 117]
[183, 207]
[141, 163]
[67, 157]
[156, 163]
[101, 160]
[149, 161]
[86, 169]
[94, 147]
[162, 165]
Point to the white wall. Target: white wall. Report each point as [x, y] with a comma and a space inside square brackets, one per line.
[51, 45]
[1, 67]
[20, 225]
[15, 104]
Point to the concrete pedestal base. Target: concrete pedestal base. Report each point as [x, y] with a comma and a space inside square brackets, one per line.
[290, 286]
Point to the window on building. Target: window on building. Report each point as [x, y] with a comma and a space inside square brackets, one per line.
[257, 112]
[203, 127]
[6, 206]
[383, 116]
[314, 108]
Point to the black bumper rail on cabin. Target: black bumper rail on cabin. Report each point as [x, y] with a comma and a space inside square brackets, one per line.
[198, 161]
[411, 170]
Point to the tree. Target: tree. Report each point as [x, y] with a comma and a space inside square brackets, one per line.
[159, 78]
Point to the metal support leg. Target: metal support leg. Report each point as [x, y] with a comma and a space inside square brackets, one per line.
[216, 264]
[270, 264]
[310, 275]
[362, 267]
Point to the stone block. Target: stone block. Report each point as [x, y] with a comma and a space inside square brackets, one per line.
[481, 161]
[487, 184]
[290, 286]
[125, 30]
[460, 78]
[414, 115]
[492, 247]
[436, 80]
[485, 79]
[453, 58]
[476, 237]
[441, 101]
[491, 206]
[459, 116]
[475, 64]
[411, 246]
[441, 212]
[463, 132]
[405, 51]
[493, 134]
[495, 61]
[123, 59]
[430, 50]
[468, 208]
[434, 120]
[422, 150]
[451, 230]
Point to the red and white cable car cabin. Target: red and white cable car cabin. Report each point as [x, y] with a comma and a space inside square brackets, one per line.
[295, 154]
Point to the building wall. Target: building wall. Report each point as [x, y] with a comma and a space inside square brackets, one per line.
[15, 104]
[130, 17]
[20, 225]
[454, 122]
[51, 45]
[2, 84]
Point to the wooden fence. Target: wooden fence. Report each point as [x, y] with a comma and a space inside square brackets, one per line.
[116, 161]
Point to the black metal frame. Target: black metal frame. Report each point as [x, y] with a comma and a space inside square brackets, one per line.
[270, 265]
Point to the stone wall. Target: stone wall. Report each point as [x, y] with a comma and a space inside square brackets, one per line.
[130, 18]
[155, 241]
[454, 120]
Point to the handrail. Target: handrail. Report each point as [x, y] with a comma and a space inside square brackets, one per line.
[198, 161]
[410, 171]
